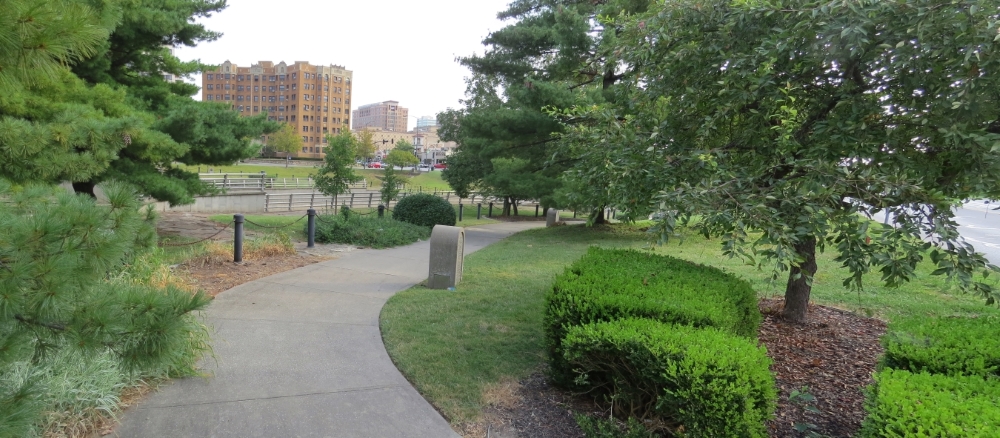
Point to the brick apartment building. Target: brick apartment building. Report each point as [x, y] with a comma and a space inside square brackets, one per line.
[314, 99]
[388, 116]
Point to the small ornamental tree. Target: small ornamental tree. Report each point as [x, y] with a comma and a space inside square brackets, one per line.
[285, 139]
[401, 158]
[390, 185]
[365, 146]
[786, 125]
[337, 173]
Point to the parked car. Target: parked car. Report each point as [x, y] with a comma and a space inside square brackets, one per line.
[375, 165]
[424, 167]
[440, 166]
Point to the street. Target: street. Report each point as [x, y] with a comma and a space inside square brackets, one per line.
[979, 225]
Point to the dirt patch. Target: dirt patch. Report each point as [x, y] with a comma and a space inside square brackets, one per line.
[834, 355]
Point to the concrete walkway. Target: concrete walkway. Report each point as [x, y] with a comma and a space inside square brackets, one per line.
[299, 354]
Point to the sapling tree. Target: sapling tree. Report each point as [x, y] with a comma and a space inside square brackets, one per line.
[337, 173]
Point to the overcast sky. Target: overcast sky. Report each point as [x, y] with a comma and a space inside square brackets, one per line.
[401, 50]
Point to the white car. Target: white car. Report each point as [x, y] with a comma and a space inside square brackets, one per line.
[424, 168]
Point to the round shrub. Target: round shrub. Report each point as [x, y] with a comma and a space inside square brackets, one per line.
[424, 209]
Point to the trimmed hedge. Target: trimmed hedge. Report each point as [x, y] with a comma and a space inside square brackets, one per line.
[425, 210]
[952, 346]
[370, 231]
[695, 382]
[610, 284]
[904, 404]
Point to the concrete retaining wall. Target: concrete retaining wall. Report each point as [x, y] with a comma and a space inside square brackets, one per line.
[228, 203]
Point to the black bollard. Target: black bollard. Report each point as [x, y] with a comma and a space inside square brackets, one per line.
[490, 213]
[536, 210]
[312, 228]
[479, 211]
[381, 210]
[460, 207]
[238, 238]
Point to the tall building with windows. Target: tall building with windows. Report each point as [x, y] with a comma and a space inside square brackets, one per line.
[314, 99]
[427, 121]
[388, 116]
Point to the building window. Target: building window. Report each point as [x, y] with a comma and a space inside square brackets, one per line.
[208, 87]
[293, 75]
[271, 118]
[227, 86]
[270, 108]
[256, 77]
[293, 116]
[239, 88]
[271, 78]
[303, 147]
[210, 77]
[293, 97]
[241, 108]
[281, 77]
[281, 98]
[218, 97]
[305, 138]
[294, 86]
[281, 108]
[227, 97]
[256, 109]
[324, 109]
[348, 91]
[239, 78]
[239, 97]
[281, 88]
[209, 97]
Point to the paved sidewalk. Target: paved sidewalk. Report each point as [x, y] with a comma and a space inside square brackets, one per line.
[299, 354]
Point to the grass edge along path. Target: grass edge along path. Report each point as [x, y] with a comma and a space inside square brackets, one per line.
[454, 345]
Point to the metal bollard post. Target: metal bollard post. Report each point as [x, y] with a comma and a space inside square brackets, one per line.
[536, 210]
[490, 213]
[381, 210]
[460, 207]
[479, 211]
[312, 228]
[238, 238]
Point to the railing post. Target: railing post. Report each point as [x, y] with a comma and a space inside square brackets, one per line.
[312, 228]
[352, 199]
[312, 200]
[479, 211]
[490, 214]
[267, 199]
[370, 199]
[381, 210]
[536, 210]
[238, 238]
[460, 207]
[290, 201]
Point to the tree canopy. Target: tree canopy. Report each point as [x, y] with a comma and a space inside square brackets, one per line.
[786, 125]
[555, 54]
[337, 173]
[285, 139]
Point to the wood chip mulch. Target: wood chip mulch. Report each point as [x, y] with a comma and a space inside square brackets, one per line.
[833, 354]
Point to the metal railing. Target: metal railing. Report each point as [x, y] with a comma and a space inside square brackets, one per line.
[260, 182]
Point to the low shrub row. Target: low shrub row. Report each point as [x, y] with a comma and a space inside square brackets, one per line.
[370, 231]
[952, 346]
[662, 339]
[905, 404]
[939, 377]
[606, 285]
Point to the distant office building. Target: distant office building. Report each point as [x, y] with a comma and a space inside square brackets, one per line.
[426, 121]
[314, 99]
[388, 116]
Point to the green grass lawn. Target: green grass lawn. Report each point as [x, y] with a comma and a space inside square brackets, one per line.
[455, 345]
[272, 171]
[290, 224]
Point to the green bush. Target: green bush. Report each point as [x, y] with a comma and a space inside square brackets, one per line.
[952, 346]
[611, 428]
[370, 231]
[424, 209]
[698, 382]
[609, 284]
[904, 404]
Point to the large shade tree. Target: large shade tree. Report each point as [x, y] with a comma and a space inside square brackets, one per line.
[555, 53]
[786, 125]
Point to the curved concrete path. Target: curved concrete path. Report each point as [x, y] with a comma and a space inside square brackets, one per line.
[299, 354]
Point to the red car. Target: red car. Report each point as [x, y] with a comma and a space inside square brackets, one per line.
[375, 165]
[440, 166]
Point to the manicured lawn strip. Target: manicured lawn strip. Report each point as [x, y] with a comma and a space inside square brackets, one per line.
[453, 344]
[927, 295]
[428, 181]
[296, 232]
[272, 171]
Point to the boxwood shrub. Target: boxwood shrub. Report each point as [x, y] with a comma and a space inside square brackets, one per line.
[425, 210]
[694, 382]
[953, 346]
[904, 404]
[609, 284]
[371, 231]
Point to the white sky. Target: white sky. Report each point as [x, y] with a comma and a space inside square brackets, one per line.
[401, 50]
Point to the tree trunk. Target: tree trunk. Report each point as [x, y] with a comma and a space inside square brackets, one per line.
[800, 282]
[84, 188]
[506, 206]
[599, 216]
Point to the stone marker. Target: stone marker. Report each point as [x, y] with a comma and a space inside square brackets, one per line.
[551, 217]
[447, 256]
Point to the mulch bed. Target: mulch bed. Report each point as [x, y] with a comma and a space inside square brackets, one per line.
[833, 354]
